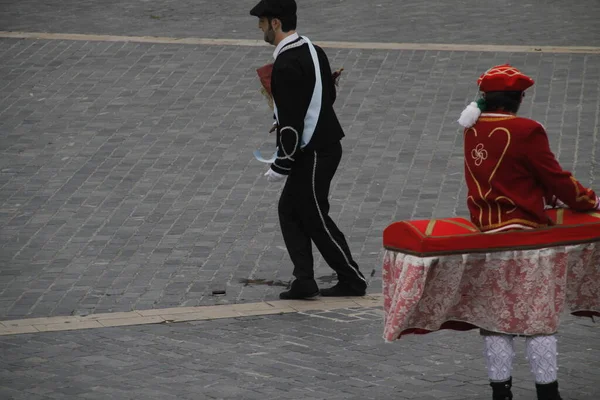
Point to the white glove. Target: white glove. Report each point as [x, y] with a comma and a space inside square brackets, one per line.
[555, 203]
[560, 204]
[273, 176]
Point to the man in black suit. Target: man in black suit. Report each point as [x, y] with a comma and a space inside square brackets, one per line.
[308, 153]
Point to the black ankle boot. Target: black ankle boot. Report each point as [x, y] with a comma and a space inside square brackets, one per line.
[502, 390]
[548, 391]
[301, 289]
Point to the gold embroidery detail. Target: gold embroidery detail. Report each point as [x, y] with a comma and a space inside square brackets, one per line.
[500, 210]
[497, 165]
[479, 154]
[578, 195]
[501, 157]
[484, 196]
[480, 209]
[508, 70]
[429, 229]
[496, 119]
[476, 183]
[415, 229]
[470, 228]
[471, 129]
[560, 216]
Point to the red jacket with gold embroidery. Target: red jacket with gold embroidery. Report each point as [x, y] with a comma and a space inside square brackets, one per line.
[510, 170]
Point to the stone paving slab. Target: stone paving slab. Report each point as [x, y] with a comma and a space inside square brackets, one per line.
[335, 354]
[323, 43]
[127, 180]
[182, 314]
[127, 185]
[534, 22]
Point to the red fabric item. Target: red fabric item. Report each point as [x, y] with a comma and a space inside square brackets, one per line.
[564, 216]
[264, 74]
[510, 169]
[521, 292]
[503, 78]
[425, 238]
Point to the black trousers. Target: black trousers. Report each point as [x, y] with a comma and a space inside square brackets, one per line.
[304, 217]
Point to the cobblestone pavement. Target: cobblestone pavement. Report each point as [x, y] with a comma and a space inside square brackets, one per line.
[127, 182]
[532, 22]
[337, 354]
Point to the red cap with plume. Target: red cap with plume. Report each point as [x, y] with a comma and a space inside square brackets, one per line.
[504, 78]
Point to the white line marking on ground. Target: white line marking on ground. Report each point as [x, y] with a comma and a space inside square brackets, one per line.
[327, 44]
[183, 314]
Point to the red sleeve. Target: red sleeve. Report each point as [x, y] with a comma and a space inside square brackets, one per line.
[558, 182]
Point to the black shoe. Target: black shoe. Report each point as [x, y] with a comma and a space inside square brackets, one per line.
[548, 391]
[301, 289]
[342, 289]
[502, 390]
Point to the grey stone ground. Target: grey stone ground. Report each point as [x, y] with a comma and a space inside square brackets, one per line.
[127, 182]
[532, 22]
[326, 355]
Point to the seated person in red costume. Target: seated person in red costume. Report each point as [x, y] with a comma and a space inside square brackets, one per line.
[511, 176]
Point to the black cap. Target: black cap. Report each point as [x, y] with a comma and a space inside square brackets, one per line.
[274, 8]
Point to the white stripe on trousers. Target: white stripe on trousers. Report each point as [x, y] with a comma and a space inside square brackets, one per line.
[325, 225]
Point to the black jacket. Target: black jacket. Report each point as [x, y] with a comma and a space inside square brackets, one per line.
[292, 85]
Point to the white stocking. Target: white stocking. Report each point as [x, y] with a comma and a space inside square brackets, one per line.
[499, 354]
[541, 353]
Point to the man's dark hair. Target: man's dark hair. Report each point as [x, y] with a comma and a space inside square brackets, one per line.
[507, 101]
[288, 22]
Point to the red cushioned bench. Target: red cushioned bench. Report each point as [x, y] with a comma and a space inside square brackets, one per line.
[459, 236]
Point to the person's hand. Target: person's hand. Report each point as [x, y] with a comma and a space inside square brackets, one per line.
[597, 203]
[273, 176]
